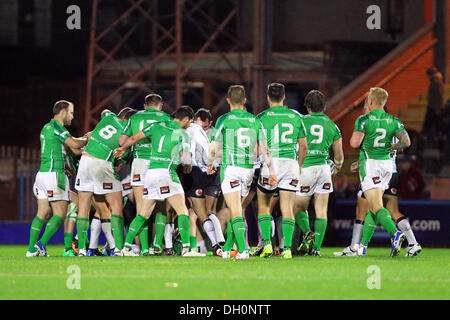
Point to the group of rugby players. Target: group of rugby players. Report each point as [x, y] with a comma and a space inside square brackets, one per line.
[178, 178]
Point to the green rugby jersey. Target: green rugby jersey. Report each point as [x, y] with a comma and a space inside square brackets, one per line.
[52, 136]
[105, 137]
[379, 127]
[321, 133]
[140, 121]
[283, 127]
[239, 131]
[168, 139]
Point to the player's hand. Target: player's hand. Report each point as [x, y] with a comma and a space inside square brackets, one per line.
[119, 152]
[87, 135]
[354, 166]
[273, 179]
[211, 169]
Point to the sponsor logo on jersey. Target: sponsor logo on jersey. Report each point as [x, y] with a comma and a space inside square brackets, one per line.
[50, 193]
[376, 180]
[234, 183]
[136, 178]
[326, 186]
[294, 182]
[107, 186]
[126, 186]
[199, 192]
[78, 182]
[164, 190]
[305, 189]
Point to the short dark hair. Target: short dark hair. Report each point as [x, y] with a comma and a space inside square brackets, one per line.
[203, 114]
[153, 99]
[60, 105]
[183, 112]
[315, 100]
[236, 94]
[276, 91]
[123, 112]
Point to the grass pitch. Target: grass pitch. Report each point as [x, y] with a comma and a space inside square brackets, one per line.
[426, 276]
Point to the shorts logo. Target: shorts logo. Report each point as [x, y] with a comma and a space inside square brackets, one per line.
[199, 192]
[126, 186]
[145, 192]
[50, 193]
[305, 189]
[78, 182]
[136, 178]
[234, 183]
[294, 182]
[376, 180]
[164, 190]
[265, 181]
[393, 190]
[326, 186]
[107, 186]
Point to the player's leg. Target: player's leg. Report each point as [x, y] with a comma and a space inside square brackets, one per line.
[37, 224]
[265, 220]
[101, 212]
[199, 206]
[192, 230]
[69, 226]
[59, 209]
[212, 194]
[84, 206]
[414, 247]
[302, 219]
[287, 200]
[168, 232]
[320, 224]
[115, 202]
[160, 226]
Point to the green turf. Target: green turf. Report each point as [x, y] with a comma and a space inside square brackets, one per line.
[327, 277]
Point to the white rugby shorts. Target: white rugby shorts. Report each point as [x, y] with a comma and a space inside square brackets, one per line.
[375, 174]
[46, 187]
[160, 185]
[139, 168]
[287, 172]
[315, 179]
[237, 178]
[97, 176]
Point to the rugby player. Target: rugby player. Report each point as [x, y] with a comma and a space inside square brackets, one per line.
[315, 178]
[170, 145]
[241, 136]
[51, 186]
[373, 134]
[284, 130]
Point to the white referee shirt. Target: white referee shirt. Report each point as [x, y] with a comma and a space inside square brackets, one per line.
[199, 146]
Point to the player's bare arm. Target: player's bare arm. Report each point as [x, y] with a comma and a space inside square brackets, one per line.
[338, 154]
[212, 154]
[186, 162]
[129, 141]
[302, 150]
[264, 150]
[354, 167]
[404, 141]
[356, 139]
[76, 143]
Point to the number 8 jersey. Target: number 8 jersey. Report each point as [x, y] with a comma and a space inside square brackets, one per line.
[105, 137]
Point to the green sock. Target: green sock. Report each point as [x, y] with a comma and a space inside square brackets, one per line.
[35, 231]
[370, 224]
[302, 220]
[288, 226]
[183, 228]
[160, 227]
[134, 228]
[238, 225]
[143, 237]
[320, 226]
[384, 218]
[193, 241]
[265, 222]
[230, 238]
[50, 229]
[82, 231]
[68, 236]
[117, 227]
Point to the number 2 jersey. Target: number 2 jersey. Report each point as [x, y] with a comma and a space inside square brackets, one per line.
[379, 127]
[105, 137]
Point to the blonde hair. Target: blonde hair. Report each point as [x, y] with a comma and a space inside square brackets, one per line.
[378, 96]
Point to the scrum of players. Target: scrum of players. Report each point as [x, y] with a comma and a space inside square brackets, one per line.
[184, 184]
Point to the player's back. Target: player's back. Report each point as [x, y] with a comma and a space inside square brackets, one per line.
[105, 137]
[239, 131]
[321, 132]
[282, 127]
[140, 121]
[168, 140]
[52, 137]
[379, 127]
